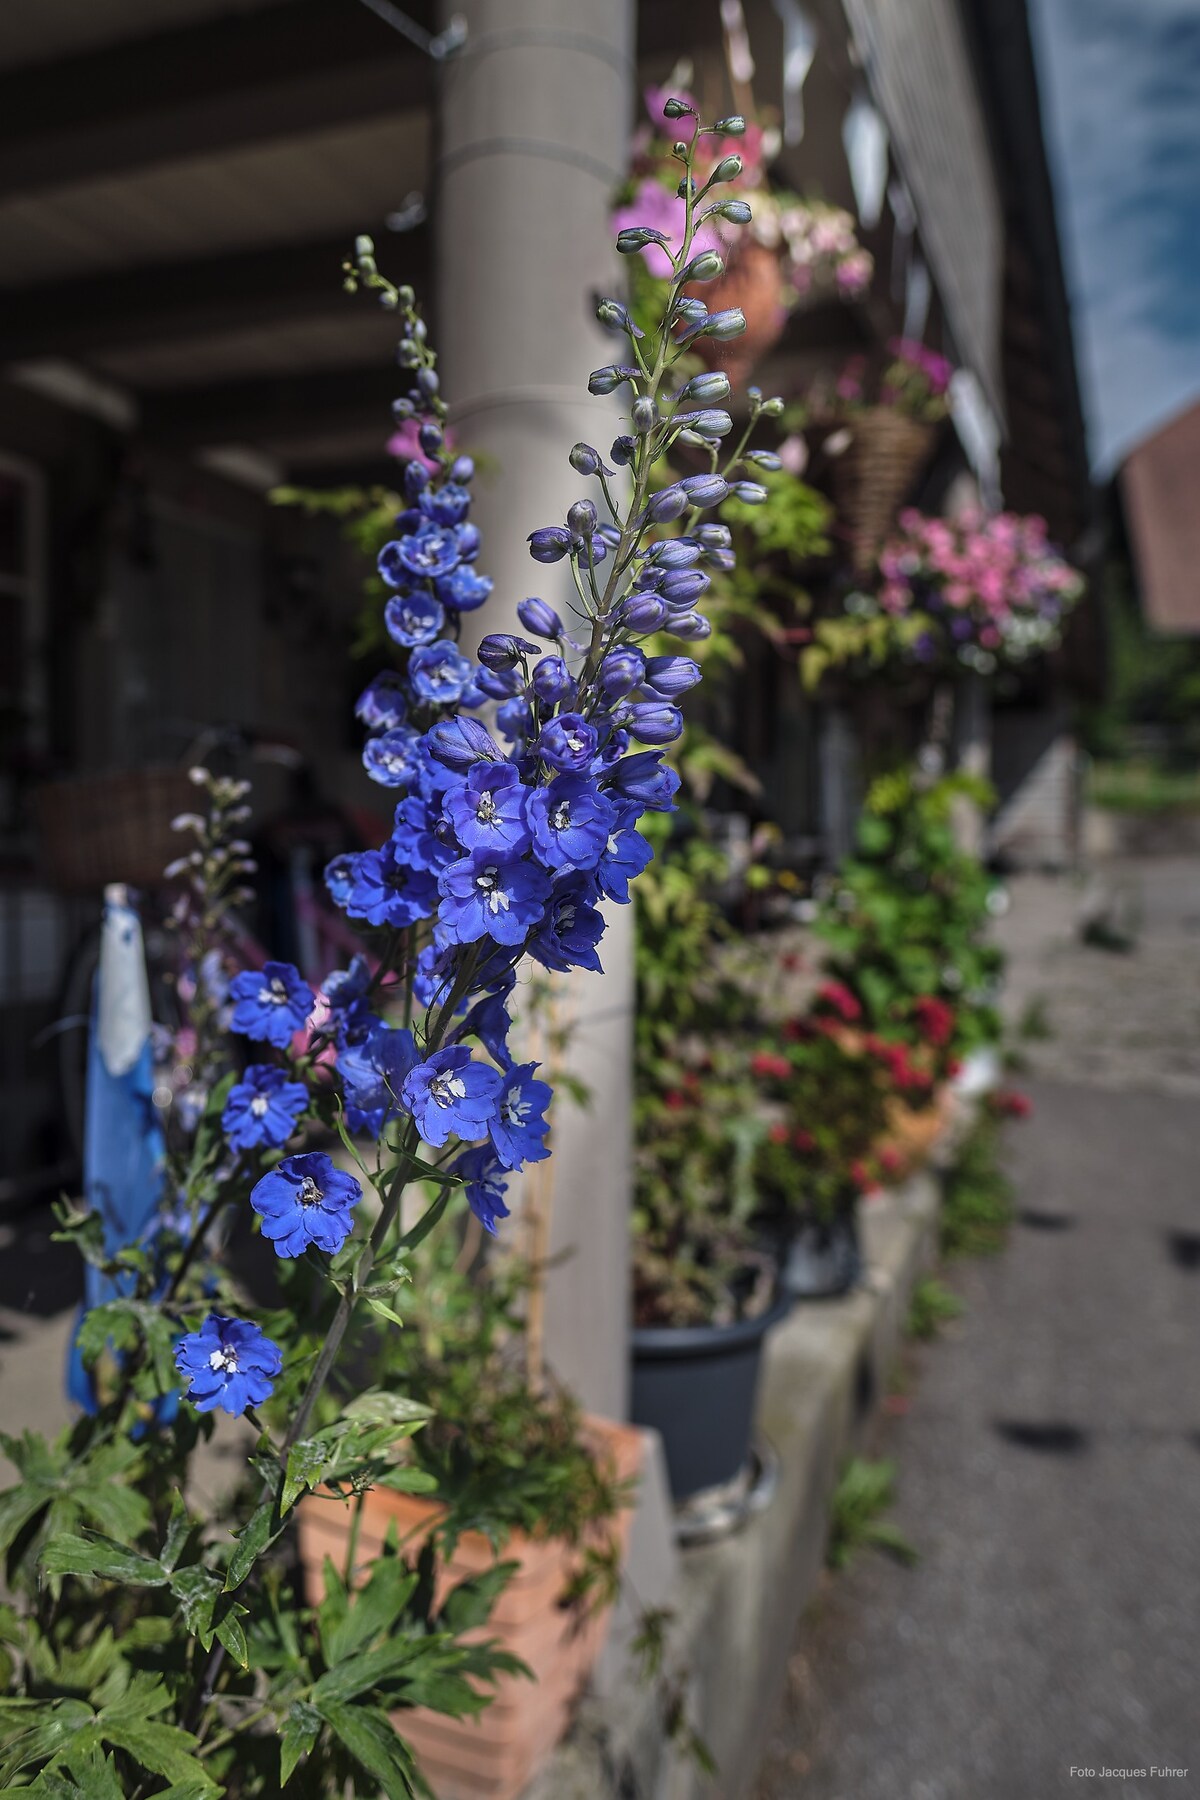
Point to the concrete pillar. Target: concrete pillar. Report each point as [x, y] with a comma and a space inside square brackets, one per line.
[534, 127]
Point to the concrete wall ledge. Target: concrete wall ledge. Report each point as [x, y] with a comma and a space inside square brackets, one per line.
[737, 1603]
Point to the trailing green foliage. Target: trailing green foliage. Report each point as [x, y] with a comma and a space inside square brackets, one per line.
[977, 1203]
[931, 1306]
[865, 1490]
[907, 916]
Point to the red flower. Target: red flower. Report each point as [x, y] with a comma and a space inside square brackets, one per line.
[765, 1062]
[778, 1134]
[837, 995]
[890, 1160]
[675, 1100]
[935, 1019]
[1012, 1105]
[803, 1140]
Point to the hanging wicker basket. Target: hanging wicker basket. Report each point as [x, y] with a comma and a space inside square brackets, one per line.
[753, 280]
[112, 827]
[874, 476]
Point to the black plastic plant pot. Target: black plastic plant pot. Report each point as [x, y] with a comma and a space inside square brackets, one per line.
[823, 1259]
[696, 1385]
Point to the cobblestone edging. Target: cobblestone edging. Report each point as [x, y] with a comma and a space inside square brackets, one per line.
[737, 1602]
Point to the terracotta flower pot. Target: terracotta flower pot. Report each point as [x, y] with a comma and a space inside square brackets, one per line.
[753, 280]
[494, 1756]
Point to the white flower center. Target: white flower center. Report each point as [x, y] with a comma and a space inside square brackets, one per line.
[308, 1193]
[485, 810]
[273, 993]
[516, 1107]
[494, 896]
[565, 917]
[225, 1359]
[560, 818]
[445, 1089]
[574, 741]
[258, 1105]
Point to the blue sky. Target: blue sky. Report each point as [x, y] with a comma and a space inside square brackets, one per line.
[1120, 84]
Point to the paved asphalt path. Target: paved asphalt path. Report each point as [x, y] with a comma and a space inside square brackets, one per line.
[1049, 1473]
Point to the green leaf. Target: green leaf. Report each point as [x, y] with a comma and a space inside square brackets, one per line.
[231, 1634]
[470, 1604]
[349, 1626]
[371, 1739]
[178, 1527]
[306, 1463]
[197, 1590]
[36, 1729]
[379, 1408]
[381, 1308]
[100, 1556]
[259, 1532]
[359, 1674]
[297, 1736]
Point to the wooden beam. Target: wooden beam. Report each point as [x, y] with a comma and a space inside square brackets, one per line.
[266, 409]
[171, 302]
[298, 66]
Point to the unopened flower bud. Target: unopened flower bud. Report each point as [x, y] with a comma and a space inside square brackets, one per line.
[587, 461]
[691, 626]
[771, 409]
[705, 490]
[668, 504]
[751, 493]
[552, 681]
[462, 469]
[636, 237]
[733, 126]
[705, 267]
[764, 459]
[612, 313]
[713, 385]
[729, 323]
[609, 379]
[501, 650]
[430, 437]
[714, 537]
[581, 519]
[737, 212]
[536, 616]
[652, 721]
[728, 169]
[620, 672]
[671, 676]
[643, 613]
[644, 414]
[427, 381]
[622, 451]
[676, 553]
[690, 310]
[402, 411]
[549, 544]
[712, 423]
[680, 587]
[416, 479]
[677, 109]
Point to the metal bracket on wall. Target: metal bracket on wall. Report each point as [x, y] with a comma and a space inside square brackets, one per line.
[445, 43]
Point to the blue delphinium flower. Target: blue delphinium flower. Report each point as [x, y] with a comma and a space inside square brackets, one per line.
[306, 1200]
[484, 897]
[464, 589]
[413, 619]
[382, 705]
[518, 1128]
[262, 1108]
[271, 1004]
[431, 550]
[439, 672]
[373, 1073]
[393, 759]
[572, 928]
[625, 855]
[571, 822]
[451, 1095]
[386, 890]
[484, 1179]
[568, 743]
[487, 811]
[228, 1363]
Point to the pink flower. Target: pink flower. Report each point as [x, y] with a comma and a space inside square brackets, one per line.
[405, 445]
[654, 207]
